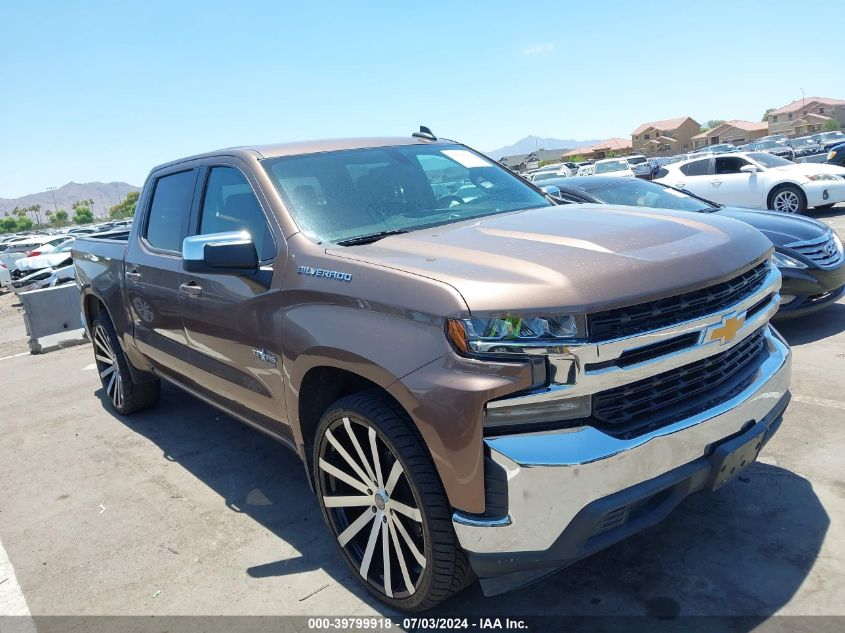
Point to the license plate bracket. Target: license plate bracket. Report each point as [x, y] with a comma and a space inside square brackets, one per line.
[730, 458]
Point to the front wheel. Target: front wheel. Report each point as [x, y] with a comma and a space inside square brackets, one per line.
[385, 505]
[788, 199]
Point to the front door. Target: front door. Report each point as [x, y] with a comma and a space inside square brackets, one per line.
[233, 322]
[154, 267]
[729, 185]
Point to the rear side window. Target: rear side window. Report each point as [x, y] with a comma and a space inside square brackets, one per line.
[167, 224]
[696, 168]
[230, 205]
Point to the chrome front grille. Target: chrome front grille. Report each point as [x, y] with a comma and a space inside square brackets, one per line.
[644, 317]
[663, 398]
[824, 252]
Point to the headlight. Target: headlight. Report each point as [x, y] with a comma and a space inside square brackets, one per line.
[822, 177]
[837, 241]
[785, 261]
[831, 154]
[513, 334]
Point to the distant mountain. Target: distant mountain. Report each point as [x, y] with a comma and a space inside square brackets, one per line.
[531, 143]
[104, 195]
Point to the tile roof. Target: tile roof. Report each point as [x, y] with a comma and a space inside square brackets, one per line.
[665, 124]
[800, 103]
[748, 126]
[611, 144]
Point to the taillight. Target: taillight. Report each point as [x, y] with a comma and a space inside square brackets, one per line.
[33, 253]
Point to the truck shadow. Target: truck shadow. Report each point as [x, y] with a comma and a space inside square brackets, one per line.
[743, 551]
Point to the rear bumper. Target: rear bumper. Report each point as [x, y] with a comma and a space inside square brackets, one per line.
[573, 492]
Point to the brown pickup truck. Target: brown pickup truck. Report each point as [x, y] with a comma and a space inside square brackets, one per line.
[479, 382]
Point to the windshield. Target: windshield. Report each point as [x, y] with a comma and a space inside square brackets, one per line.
[769, 160]
[342, 195]
[765, 144]
[642, 193]
[613, 165]
[833, 135]
[65, 246]
[636, 160]
[545, 175]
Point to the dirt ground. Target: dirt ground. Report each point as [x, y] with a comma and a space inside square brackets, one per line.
[13, 339]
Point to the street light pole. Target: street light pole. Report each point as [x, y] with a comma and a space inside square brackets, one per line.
[53, 191]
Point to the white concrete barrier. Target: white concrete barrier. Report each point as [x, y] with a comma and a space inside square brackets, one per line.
[49, 312]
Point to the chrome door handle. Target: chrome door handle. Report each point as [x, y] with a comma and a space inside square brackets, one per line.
[133, 276]
[191, 289]
[716, 182]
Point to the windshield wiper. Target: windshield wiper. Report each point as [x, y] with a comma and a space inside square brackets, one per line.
[369, 239]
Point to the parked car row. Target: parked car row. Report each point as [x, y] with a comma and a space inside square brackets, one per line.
[22, 267]
[758, 180]
[37, 263]
[780, 145]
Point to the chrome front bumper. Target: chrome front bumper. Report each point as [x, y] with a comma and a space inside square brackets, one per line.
[553, 476]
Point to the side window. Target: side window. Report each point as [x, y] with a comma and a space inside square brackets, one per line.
[697, 168]
[229, 204]
[730, 164]
[169, 210]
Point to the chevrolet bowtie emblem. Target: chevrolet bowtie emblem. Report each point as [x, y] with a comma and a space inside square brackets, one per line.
[727, 329]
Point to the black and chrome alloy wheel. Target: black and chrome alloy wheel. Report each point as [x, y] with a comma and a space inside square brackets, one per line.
[126, 394]
[372, 507]
[107, 366]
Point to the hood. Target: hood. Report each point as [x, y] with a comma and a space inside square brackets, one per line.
[808, 169]
[781, 229]
[50, 260]
[588, 258]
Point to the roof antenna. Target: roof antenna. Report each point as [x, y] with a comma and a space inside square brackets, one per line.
[425, 133]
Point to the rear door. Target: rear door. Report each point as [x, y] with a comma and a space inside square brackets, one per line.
[154, 266]
[729, 185]
[694, 176]
[233, 322]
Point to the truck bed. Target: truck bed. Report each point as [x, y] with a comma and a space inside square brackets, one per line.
[99, 263]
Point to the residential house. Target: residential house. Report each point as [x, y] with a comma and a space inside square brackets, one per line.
[734, 131]
[806, 116]
[521, 162]
[597, 151]
[664, 138]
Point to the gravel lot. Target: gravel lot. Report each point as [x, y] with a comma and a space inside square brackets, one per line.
[182, 510]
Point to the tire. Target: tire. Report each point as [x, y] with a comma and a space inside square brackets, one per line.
[406, 499]
[124, 394]
[824, 207]
[788, 199]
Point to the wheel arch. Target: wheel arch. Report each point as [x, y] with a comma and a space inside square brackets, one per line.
[319, 384]
[93, 304]
[781, 185]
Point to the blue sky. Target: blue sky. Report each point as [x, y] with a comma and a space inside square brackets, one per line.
[105, 90]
